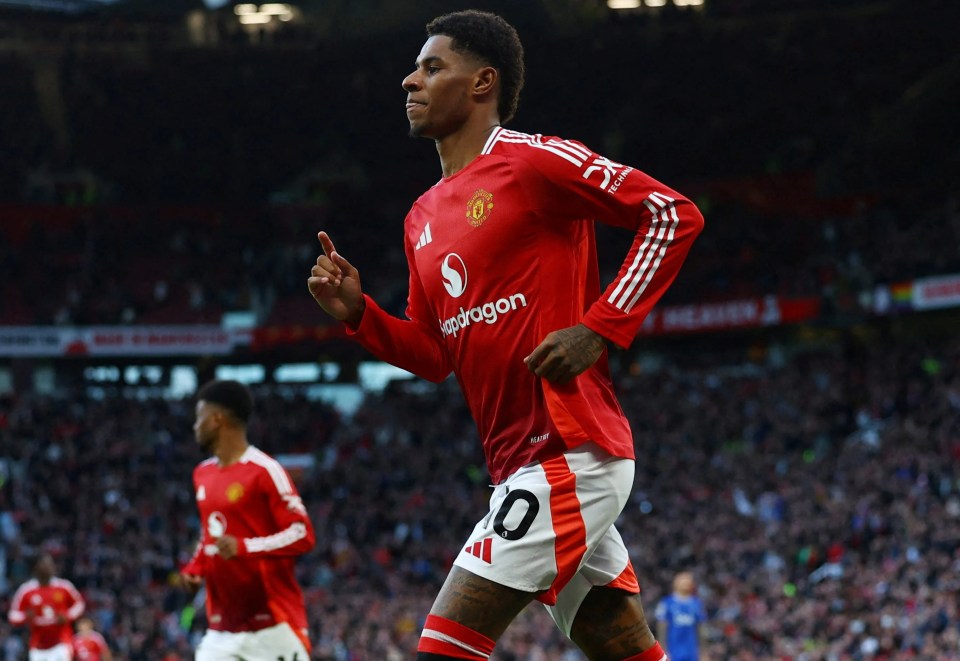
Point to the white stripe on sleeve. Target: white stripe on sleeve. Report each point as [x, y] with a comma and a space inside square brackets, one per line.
[650, 254]
[284, 538]
[273, 468]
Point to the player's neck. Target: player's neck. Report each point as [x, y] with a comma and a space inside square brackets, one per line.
[458, 149]
[230, 449]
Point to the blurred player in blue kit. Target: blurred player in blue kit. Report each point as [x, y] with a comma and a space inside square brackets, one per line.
[679, 617]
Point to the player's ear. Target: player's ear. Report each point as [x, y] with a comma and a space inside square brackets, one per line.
[485, 82]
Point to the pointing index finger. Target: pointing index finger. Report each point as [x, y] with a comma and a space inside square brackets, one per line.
[326, 243]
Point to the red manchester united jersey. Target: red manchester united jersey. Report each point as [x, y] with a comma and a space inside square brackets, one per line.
[502, 253]
[49, 610]
[255, 501]
[89, 646]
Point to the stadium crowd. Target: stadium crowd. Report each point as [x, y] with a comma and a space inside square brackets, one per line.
[815, 495]
[210, 262]
[217, 244]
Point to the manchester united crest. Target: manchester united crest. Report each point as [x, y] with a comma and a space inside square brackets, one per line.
[235, 492]
[479, 207]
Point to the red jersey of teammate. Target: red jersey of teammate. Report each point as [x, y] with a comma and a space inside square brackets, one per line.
[89, 646]
[255, 501]
[46, 605]
[494, 253]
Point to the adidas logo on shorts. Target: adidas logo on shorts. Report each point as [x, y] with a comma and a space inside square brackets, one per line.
[481, 549]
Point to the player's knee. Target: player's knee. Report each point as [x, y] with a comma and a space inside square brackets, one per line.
[445, 639]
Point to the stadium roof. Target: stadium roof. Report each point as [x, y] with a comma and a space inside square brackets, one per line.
[86, 6]
[177, 7]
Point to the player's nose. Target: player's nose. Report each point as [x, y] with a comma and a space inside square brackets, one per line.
[411, 83]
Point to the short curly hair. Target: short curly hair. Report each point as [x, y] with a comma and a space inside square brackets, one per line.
[492, 40]
[233, 396]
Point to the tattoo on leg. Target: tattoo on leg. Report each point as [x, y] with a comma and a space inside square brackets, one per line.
[480, 604]
[610, 625]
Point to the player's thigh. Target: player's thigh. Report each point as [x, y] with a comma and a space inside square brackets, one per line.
[610, 625]
[61, 652]
[546, 521]
[479, 603]
[276, 643]
[220, 646]
[608, 566]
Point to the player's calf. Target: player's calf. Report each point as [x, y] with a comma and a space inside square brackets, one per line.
[610, 626]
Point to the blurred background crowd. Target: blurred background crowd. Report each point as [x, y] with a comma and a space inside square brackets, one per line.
[815, 496]
[165, 164]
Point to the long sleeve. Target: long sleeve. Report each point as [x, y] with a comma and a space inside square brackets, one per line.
[575, 183]
[409, 343]
[16, 615]
[194, 566]
[295, 534]
[664, 236]
[77, 603]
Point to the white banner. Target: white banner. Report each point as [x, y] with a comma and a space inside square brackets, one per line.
[47, 341]
[30, 341]
[942, 291]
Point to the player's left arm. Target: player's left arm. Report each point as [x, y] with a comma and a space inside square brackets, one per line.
[578, 183]
[76, 601]
[294, 532]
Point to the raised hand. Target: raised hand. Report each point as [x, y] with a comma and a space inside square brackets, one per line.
[335, 284]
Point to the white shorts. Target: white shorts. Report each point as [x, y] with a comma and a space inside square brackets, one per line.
[551, 530]
[61, 652]
[270, 644]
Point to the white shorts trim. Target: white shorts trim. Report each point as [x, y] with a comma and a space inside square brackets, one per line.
[278, 641]
[550, 530]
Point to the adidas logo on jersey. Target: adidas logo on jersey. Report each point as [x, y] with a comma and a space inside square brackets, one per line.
[201, 493]
[481, 549]
[425, 237]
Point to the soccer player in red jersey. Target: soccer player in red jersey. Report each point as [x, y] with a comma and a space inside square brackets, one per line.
[504, 292]
[49, 605]
[254, 526]
[88, 644]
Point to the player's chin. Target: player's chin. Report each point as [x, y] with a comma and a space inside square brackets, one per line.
[421, 130]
